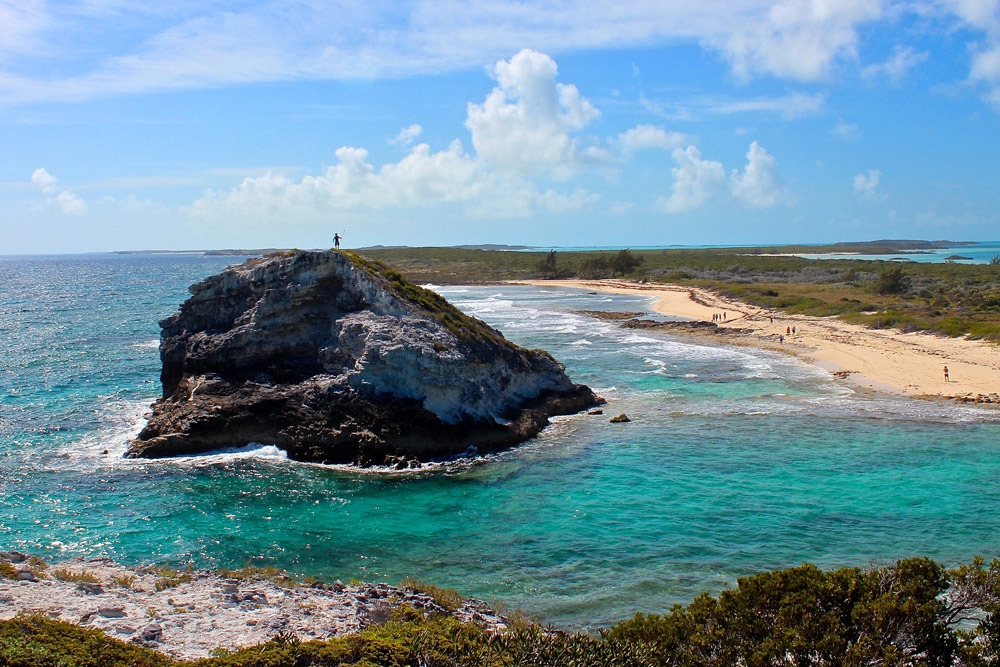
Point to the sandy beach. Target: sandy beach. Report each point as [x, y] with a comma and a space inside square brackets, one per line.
[911, 364]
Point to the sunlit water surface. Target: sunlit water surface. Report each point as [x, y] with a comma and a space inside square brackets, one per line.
[736, 460]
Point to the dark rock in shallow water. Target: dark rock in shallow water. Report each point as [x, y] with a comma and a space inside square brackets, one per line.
[337, 359]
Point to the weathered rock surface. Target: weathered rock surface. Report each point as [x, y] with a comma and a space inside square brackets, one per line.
[188, 614]
[337, 359]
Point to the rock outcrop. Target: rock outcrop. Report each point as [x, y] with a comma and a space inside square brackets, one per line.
[338, 359]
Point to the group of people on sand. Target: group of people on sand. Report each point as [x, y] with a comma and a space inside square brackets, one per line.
[720, 317]
[789, 331]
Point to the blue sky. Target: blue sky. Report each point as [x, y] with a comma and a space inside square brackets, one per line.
[128, 125]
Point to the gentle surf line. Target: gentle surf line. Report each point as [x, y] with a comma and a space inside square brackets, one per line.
[886, 360]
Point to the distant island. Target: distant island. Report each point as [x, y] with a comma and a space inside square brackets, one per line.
[877, 247]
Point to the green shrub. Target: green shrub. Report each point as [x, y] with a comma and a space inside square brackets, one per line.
[7, 570]
[446, 598]
[913, 612]
[85, 576]
[169, 578]
[250, 572]
[35, 641]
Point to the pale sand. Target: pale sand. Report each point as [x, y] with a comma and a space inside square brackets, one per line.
[882, 359]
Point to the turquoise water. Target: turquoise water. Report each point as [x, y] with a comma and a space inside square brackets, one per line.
[736, 461]
[977, 253]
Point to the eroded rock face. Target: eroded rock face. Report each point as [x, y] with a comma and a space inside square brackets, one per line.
[337, 359]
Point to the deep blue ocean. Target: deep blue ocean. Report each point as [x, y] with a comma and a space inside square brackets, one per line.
[736, 460]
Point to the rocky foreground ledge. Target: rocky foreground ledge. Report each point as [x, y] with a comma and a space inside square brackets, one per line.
[187, 614]
[338, 359]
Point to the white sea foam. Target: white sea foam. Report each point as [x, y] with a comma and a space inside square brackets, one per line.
[106, 447]
[154, 344]
[254, 450]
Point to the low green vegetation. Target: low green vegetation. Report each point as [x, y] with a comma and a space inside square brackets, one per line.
[446, 598]
[912, 612]
[84, 576]
[251, 572]
[169, 578]
[952, 299]
[457, 322]
[7, 571]
[36, 641]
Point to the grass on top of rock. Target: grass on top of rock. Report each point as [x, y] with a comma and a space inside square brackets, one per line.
[446, 598]
[79, 576]
[948, 298]
[250, 572]
[912, 612]
[170, 578]
[7, 571]
[461, 325]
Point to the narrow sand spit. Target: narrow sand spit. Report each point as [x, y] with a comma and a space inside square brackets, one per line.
[195, 612]
[882, 359]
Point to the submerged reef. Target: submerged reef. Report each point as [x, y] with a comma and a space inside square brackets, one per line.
[338, 359]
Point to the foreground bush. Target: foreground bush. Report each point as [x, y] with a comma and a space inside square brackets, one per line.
[909, 613]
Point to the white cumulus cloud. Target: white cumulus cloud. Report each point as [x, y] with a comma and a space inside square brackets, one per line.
[695, 181]
[643, 137]
[66, 200]
[524, 124]
[758, 184]
[70, 203]
[44, 180]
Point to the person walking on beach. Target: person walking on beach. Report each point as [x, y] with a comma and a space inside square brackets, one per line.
[336, 241]
[946, 379]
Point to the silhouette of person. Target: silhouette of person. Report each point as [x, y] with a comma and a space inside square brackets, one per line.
[336, 241]
[946, 379]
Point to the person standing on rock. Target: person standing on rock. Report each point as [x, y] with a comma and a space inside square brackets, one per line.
[336, 241]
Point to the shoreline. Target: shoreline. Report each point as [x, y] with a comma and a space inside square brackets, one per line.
[883, 360]
[187, 614]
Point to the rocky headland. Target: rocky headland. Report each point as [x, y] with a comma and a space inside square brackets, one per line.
[189, 613]
[338, 359]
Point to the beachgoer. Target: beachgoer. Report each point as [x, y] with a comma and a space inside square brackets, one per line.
[788, 331]
[781, 339]
[336, 241]
[772, 320]
[946, 379]
[793, 329]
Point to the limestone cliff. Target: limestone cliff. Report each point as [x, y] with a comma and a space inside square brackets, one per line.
[338, 359]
